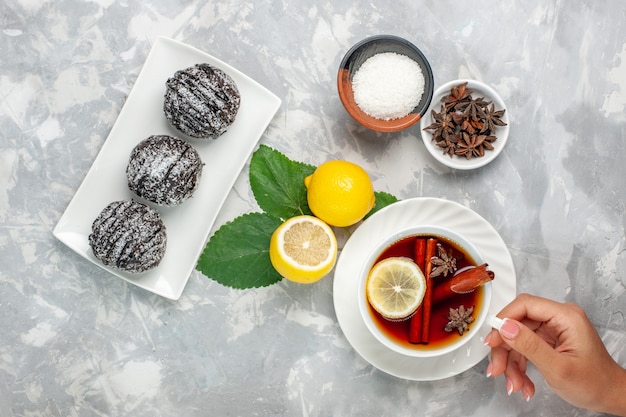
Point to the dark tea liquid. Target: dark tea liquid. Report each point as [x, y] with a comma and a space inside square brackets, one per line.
[398, 330]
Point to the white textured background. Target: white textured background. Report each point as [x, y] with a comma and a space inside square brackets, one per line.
[76, 341]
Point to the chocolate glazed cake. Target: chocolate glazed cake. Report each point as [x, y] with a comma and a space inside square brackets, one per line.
[128, 235]
[164, 169]
[201, 101]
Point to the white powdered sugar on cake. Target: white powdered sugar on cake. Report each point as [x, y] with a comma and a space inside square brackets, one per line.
[164, 170]
[201, 101]
[128, 235]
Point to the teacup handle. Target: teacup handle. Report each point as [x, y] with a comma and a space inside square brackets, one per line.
[495, 322]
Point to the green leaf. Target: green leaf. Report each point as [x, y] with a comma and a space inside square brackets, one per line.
[383, 199]
[237, 255]
[277, 183]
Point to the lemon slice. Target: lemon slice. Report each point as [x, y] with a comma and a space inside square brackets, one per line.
[395, 287]
[303, 249]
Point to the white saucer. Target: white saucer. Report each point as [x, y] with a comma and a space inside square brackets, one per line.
[426, 211]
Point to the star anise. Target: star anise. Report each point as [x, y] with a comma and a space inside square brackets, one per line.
[470, 126]
[469, 146]
[449, 143]
[473, 110]
[443, 264]
[492, 119]
[459, 94]
[443, 125]
[459, 319]
[465, 126]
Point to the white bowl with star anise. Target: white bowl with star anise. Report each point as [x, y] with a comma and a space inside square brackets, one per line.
[467, 125]
[449, 311]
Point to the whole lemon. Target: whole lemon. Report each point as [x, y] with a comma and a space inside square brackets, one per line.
[340, 193]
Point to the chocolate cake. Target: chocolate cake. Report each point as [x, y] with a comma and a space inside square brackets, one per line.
[164, 169]
[201, 101]
[128, 235]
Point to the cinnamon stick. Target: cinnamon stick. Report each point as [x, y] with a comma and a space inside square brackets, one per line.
[415, 323]
[431, 250]
[462, 283]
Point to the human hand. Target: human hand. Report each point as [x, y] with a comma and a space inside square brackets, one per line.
[565, 347]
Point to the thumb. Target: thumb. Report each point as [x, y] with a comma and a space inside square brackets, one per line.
[528, 343]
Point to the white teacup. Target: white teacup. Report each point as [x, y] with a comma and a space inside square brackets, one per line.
[419, 350]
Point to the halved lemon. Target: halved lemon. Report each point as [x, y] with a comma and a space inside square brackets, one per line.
[395, 287]
[303, 249]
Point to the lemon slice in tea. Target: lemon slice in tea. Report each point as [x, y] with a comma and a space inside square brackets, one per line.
[395, 287]
[303, 249]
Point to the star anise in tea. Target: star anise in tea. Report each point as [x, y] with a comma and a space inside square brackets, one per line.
[444, 263]
[459, 319]
[465, 126]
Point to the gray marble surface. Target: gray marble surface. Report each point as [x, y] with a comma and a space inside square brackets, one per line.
[77, 341]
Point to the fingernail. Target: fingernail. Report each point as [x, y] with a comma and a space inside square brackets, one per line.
[509, 387]
[487, 339]
[489, 370]
[526, 394]
[509, 329]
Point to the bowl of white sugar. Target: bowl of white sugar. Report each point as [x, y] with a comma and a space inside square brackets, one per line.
[385, 83]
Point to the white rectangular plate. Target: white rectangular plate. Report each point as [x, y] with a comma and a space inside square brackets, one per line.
[188, 224]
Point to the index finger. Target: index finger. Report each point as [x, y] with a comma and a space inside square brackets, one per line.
[528, 308]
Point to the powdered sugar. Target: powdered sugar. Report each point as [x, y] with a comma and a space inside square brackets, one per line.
[128, 235]
[201, 101]
[388, 85]
[164, 169]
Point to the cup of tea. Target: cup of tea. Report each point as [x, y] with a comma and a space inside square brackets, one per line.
[454, 302]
